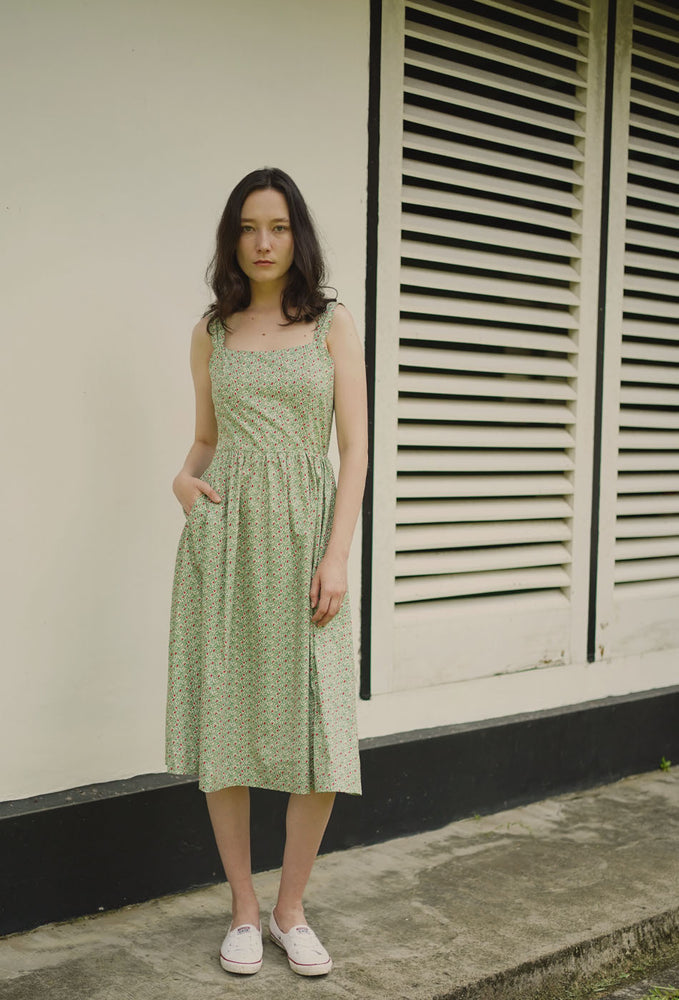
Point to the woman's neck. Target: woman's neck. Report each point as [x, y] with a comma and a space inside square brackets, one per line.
[266, 298]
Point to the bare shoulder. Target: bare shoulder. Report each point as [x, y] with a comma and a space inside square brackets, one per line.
[200, 330]
[342, 318]
[201, 347]
[342, 334]
[201, 341]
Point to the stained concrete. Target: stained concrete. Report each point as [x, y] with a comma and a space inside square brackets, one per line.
[524, 903]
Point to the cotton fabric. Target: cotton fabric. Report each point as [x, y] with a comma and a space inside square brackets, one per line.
[258, 694]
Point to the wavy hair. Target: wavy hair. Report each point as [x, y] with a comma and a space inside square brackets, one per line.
[302, 297]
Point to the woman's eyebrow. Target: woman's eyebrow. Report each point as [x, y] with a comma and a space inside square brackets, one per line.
[282, 219]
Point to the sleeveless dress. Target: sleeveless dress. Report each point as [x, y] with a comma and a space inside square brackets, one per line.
[258, 694]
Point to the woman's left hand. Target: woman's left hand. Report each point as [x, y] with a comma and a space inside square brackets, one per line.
[328, 587]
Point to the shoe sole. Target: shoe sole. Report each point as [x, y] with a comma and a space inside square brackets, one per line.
[303, 970]
[243, 968]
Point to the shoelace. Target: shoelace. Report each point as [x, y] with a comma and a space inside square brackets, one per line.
[312, 941]
[240, 940]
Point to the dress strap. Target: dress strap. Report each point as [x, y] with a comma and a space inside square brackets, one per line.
[215, 330]
[324, 321]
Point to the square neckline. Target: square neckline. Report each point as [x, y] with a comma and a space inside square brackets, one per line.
[276, 350]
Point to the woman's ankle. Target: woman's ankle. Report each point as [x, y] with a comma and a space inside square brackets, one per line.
[289, 915]
[245, 911]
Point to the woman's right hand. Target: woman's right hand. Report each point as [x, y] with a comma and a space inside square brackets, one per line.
[187, 489]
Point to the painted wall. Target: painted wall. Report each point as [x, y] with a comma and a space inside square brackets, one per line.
[125, 126]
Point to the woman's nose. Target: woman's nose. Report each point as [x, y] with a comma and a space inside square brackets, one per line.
[263, 240]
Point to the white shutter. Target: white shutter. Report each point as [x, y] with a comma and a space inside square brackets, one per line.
[639, 556]
[499, 191]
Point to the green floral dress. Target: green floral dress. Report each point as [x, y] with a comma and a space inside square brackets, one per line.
[258, 694]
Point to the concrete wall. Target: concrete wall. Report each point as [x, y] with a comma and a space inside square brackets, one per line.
[126, 125]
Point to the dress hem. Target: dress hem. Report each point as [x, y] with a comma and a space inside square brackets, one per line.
[207, 786]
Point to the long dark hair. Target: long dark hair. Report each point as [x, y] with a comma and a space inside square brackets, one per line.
[302, 297]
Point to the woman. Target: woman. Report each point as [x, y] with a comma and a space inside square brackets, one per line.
[261, 689]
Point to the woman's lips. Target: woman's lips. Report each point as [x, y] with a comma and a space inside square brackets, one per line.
[263, 263]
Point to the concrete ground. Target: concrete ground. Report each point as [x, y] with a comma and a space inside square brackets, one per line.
[534, 902]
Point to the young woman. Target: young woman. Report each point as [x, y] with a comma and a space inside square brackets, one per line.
[261, 689]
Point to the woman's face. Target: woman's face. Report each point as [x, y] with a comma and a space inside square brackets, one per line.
[266, 246]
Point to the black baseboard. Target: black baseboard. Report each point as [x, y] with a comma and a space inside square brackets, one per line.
[103, 846]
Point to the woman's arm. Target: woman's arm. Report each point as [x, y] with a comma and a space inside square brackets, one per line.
[187, 484]
[351, 419]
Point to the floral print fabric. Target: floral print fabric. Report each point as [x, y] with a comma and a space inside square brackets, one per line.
[258, 694]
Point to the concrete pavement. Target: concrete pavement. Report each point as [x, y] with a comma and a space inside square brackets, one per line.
[529, 903]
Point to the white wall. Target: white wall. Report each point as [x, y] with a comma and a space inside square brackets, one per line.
[125, 126]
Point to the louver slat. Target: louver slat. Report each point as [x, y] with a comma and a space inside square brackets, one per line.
[655, 55]
[450, 229]
[449, 122]
[491, 312]
[648, 503]
[641, 548]
[434, 173]
[652, 286]
[469, 285]
[457, 15]
[445, 511]
[643, 483]
[493, 261]
[657, 126]
[650, 373]
[636, 327]
[479, 560]
[649, 461]
[492, 80]
[637, 416]
[664, 308]
[498, 337]
[652, 396]
[505, 363]
[466, 385]
[451, 410]
[487, 460]
[639, 570]
[631, 440]
[455, 436]
[500, 486]
[487, 208]
[458, 536]
[501, 109]
[663, 354]
[456, 585]
[647, 527]
[658, 197]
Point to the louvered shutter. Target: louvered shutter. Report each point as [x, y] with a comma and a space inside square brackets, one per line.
[638, 607]
[493, 347]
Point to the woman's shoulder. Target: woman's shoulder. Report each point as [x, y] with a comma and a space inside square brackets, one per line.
[342, 334]
[203, 337]
[340, 317]
[206, 326]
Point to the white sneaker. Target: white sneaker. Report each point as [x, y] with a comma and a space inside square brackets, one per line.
[241, 950]
[306, 954]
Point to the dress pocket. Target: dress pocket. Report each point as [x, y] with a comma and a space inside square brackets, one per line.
[201, 498]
